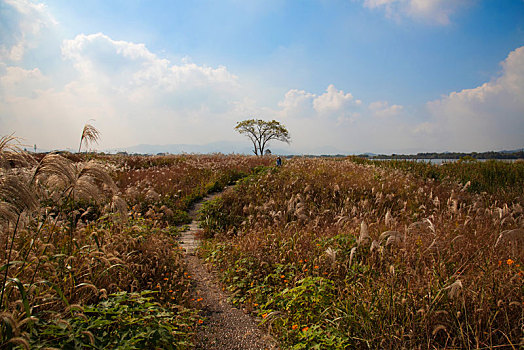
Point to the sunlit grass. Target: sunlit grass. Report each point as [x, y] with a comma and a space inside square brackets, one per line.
[90, 247]
[335, 254]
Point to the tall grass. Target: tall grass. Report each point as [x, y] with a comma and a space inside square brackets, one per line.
[90, 255]
[90, 134]
[66, 249]
[504, 179]
[333, 254]
[169, 185]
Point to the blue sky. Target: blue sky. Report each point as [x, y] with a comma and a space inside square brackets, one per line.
[351, 76]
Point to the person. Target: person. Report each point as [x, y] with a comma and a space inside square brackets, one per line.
[279, 161]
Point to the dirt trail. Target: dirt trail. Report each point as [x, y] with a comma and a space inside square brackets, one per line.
[224, 327]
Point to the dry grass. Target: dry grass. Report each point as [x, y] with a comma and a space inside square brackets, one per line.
[71, 240]
[89, 135]
[167, 186]
[11, 154]
[415, 262]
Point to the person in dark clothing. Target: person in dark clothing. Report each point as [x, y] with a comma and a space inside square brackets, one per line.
[279, 161]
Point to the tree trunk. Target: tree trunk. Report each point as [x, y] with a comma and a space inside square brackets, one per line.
[261, 148]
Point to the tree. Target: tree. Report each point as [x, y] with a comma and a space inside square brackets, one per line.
[260, 132]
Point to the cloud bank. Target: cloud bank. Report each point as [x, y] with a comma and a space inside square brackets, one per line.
[488, 116]
[129, 91]
[136, 96]
[21, 21]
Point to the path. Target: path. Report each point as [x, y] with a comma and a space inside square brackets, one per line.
[224, 327]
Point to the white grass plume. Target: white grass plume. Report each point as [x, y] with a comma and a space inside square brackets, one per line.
[17, 196]
[11, 152]
[89, 135]
[364, 237]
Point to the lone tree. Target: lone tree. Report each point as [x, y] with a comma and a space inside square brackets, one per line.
[260, 132]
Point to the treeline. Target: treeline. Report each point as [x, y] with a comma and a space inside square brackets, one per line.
[454, 155]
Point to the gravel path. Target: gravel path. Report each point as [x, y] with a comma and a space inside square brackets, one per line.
[224, 326]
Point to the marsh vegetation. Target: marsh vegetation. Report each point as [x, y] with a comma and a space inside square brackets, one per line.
[358, 254]
[327, 253]
[90, 257]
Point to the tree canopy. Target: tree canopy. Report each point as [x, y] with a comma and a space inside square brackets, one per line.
[260, 132]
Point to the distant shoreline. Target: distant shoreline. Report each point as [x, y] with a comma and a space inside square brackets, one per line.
[452, 155]
[500, 155]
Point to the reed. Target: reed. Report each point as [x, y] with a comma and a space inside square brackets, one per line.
[413, 262]
[77, 243]
[89, 135]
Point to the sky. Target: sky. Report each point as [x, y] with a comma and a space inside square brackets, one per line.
[344, 76]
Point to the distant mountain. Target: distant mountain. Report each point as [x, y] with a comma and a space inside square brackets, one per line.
[225, 147]
[514, 151]
[324, 150]
[215, 147]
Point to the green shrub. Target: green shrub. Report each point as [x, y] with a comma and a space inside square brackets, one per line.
[123, 321]
[214, 219]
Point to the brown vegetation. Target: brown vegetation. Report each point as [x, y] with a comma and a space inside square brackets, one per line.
[332, 252]
[70, 245]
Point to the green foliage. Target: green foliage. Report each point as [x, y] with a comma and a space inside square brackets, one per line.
[455, 155]
[491, 176]
[123, 321]
[213, 215]
[214, 219]
[308, 306]
[297, 304]
[180, 217]
[260, 132]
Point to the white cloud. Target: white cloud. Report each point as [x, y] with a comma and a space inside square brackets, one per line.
[382, 109]
[334, 101]
[433, 11]
[424, 129]
[490, 116]
[137, 97]
[20, 23]
[124, 65]
[487, 117]
[319, 119]
[133, 95]
[298, 103]
[20, 82]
